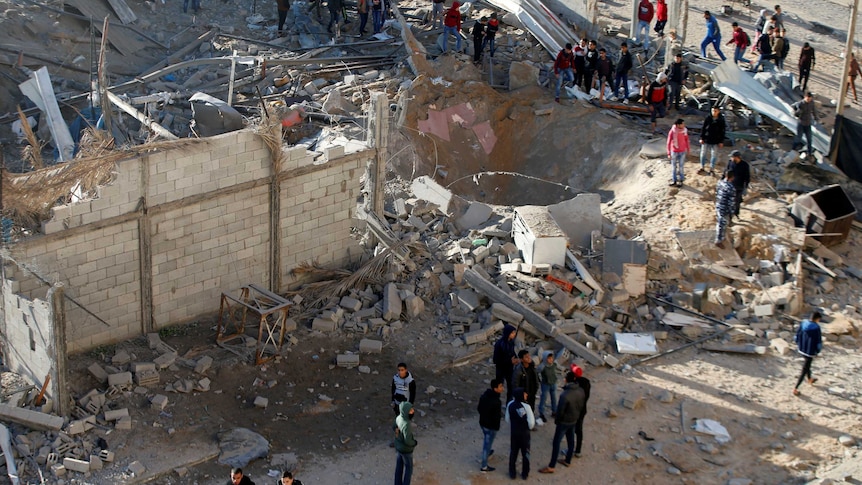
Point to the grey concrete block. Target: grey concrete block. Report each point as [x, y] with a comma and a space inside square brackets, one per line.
[261, 402]
[391, 302]
[159, 401]
[142, 366]
[370, 346]
[116, 414]
[323, 325]
[120, 379]
[506, 314]
[347, 360]
[98, 372]
[76, 465]
[203, 364]
[351, 304]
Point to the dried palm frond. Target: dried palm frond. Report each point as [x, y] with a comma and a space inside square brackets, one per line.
[270, 131]
[33, 151]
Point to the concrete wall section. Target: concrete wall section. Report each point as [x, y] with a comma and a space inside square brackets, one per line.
[206, 248]
[317, 214]
[28, 333]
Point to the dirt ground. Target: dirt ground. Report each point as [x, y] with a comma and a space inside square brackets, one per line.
[337, 421]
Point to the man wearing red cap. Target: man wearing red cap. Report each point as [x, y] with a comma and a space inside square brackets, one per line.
[584, 384]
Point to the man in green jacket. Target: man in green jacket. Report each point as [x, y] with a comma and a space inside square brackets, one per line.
[404, 444]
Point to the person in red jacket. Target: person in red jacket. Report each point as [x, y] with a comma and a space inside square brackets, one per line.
[645, 15]
[564, 67]
[452, 26]
[740, 39]
[660, 17]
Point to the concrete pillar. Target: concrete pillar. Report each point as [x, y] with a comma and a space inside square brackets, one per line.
[380, 131]
[634, 20]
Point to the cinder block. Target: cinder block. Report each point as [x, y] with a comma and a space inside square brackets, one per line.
[391, 302]
[120, 379]
[290, 325]
[351, 304]
[76, 465]
[58, 469]
[333, 152]
[370, 346]
[159, 401]
[136, 468]
[763, 310]
[123, 423]
[203, 364]
[475, 337]
[95, 463]
[98, 372]
[116, 414]
[261, 402]
[107, 456]
[142, 366]
[323, 325]
[347, 360]
[165, 360]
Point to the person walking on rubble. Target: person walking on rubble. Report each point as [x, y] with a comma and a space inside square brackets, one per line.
[490, 414]
[335, 7]
[520, 417]
[764, 46]
[780, 48]
[604, 71]
[376, 15]
[452, 26]
[591, 60]
[403, 387]
[572, 402]
[478, 32]
[657, 99]
[580, 51]
[809, 343]
[741, 178]
[405, 443]
[712, 135]
[505, 357]
[564, 69]
[491, 34]
[678, 147]
[741, 40]
[660, 17]
[437, 13]
[724, 197]
[362, 11]
[805, 116]
[196, 5]
[807, 60]
[283, 8]
[713, 36]
[645, 16]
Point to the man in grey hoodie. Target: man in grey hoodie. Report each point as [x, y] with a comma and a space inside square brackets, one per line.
[404, 444]
[572, 401]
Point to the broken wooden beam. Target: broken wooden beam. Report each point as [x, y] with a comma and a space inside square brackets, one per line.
[585, 275]
[547, 328]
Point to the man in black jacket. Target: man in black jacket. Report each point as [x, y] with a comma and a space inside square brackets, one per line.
[572, 402]
[526, 376]
[712, 138]
[622, 75]
[676, 75]
[238, 478]
[741, 178]
[490, 415]
[584, 384]
[505, 358]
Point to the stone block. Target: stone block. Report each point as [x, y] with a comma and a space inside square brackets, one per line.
[165, 360]
[510, 267]
[76, 465]
[481, 252]
[333, 152]
[468, 298]
[106, 456]
[564, 302]
[136, 367]
[323, 325]
[506, 314]
[290, 325]
[779, 346]
[370, 346]
[611, 361]
[159, 401]
[58, 469]
[414, 305]
[123, 423]
[261, 402]
[136, 468]
[98, 372]
[116, 414]
[203, 364]
[347, 360]
[120, 379]
[475, 337]
[350, 304]
[391, 302]
[765, 310]
[95, 463]
[120, 358]
[147, 378]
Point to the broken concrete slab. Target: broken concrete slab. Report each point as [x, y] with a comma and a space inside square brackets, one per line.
[239, 446]
[578, 217]
[506, 314]
[522, 74]
[620, 251]
[476, 214]
[391, 302]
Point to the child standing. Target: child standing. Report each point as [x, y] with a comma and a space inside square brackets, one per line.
[548, 381]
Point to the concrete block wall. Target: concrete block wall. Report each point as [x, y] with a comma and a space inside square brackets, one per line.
[208, 233]
[28, 323]
[206, 248]
[317, 215]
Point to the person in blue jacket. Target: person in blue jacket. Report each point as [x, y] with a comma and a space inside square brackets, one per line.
[809, 343]
[713, 36]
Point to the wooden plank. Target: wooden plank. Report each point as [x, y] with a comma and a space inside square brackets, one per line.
[585, 275]
[152, 125]
[123, 11]
[820, 265]
[736, 349]
[547, 328]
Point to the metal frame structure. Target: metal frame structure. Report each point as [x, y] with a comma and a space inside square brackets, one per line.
[271, 311]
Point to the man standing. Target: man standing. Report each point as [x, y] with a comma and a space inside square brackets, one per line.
[489, 420]
[677, 148]
[283, 8]
[622, 75]
[809, 343]
[805, 115]
[376, 15]
[658, 99]
[741, 178]
[335, 19]
[572, 401]
[764, 46]
[580, 62]
[645, 15]
[605, 71]
[778, 48]
[564, 66]
[520, 417]
[660, 17]
[724, 196]
[505, 358]
[478, 32]
[437, 13]
[238, 478]
[526, 377]
[452, 26]
[196, 5]
[712, 135]
[403, 388]
[404, 444]
[362, 10]
[713, 36]
[677, 73]
[854, 71]
[584, 384]
[740, 40]
[591, 59]
[779, 18]
[806, 64]
[548, 382]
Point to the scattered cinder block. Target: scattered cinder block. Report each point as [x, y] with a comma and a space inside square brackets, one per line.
[147, 378]
[323, 325]
[121, 357]
[764, 310]
[261, 402]
[475, 337]
[351, 304]
[347, 360]
[203, 364]
[76, 465]
[136, 468]
[136, 367]
[95, 463]
[159, 401]
[106, 456]
[370, 346]
[123, 423]
[391, 302]
[779, 346]
[78, 426]
[165, 360]
[58, 469]
[120, 379]
[116, 414]
[98, 372]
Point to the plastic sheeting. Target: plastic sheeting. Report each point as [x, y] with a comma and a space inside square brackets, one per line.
[741, 86]
[847, 136]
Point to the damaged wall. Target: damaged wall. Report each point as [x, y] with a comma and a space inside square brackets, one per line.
[179, 226]
[30, 343]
